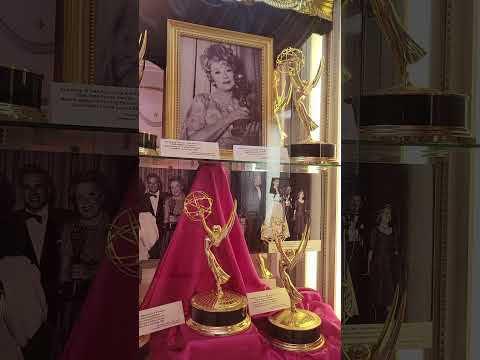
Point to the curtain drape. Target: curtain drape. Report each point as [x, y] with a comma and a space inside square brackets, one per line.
[286, 27]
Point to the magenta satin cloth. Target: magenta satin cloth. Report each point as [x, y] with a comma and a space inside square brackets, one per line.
[107, 327]
[184, 272]
[182, 343]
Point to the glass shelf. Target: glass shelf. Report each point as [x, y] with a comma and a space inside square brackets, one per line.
[67, 138]
[151, 158]
[364, 151]
[193, 164]
[434, 145]
[53, 126]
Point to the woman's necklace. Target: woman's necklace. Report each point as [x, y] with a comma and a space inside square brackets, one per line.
[223, 105]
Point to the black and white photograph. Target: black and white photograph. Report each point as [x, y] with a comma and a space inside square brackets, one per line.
[219, 94]
[261, 198]
[387, 232]
[162, 193]
[55, 213]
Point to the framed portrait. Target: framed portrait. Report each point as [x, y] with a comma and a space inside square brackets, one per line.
[218, 86]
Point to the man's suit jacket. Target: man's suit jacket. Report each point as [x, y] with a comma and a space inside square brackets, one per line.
[146, 206]
[49, 264]
[253, 204]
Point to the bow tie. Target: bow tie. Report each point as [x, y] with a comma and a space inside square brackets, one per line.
[153, 195]
[36, 217]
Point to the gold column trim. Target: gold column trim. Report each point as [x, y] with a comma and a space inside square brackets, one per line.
[79, 20]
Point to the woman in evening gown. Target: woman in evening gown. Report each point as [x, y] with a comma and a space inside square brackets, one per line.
[299, 215]
[381, 260]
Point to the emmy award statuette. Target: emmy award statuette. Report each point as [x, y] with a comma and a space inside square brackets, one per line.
[219, 312]
[293, 329]
[288, 87]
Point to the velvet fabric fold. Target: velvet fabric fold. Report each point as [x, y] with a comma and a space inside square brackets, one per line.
[184, 344]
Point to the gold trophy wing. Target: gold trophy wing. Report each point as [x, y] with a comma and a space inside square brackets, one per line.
[301, 248]
[225, 230]
[405, 49]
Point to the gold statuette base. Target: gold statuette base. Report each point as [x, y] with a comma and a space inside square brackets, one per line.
[220, 330]
[313, 152]
[296, 331]
[316, 345]
[219, 316]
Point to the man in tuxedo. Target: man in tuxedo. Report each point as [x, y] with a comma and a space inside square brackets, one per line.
[254, 206]
[38, 236]
[153, 202]
[7, 200]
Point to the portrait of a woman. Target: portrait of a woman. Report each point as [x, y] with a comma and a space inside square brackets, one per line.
[225, 111]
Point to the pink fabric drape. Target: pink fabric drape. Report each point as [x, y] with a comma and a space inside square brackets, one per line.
[184, 272]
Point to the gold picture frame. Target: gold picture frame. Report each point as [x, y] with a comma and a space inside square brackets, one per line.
[178, 29]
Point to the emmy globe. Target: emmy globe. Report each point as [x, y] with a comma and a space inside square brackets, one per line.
[219, 312]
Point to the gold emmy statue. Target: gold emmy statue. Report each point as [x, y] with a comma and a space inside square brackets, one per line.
[405, 112]
[288, 87]
[406, 50]
[219, 312]
[293, 329]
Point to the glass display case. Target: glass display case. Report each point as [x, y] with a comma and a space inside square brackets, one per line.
[278, 158]
[264, 176]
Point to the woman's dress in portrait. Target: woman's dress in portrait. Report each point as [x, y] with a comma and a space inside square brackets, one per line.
[383, 247]
[289, 213]
[299, 219]
[205, 111]
[274, 212]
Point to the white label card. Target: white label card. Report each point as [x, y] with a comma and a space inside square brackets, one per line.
[271, 283]
[160, 318]
[259, 153]
[269, 300]
[312, 245]
[93, 105]
[189, 149]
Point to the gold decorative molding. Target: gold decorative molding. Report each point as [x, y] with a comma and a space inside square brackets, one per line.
[320, 8]
[78, 25]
